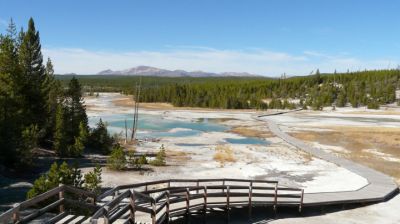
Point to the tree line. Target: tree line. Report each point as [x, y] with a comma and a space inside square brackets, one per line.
[363, 88]
[36, 110]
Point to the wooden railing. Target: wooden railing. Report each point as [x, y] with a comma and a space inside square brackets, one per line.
[164, 199]
[14, 214]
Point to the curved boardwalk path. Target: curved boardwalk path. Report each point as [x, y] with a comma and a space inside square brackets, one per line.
[380, 187]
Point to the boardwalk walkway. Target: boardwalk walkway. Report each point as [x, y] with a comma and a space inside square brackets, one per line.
[379, 188]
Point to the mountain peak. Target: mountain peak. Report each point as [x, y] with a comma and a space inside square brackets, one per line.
[143, 70]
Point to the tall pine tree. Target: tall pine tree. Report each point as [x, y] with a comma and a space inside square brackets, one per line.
[33, 76]
[10, 99]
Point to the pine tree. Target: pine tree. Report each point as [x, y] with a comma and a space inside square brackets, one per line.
[100, 140]
[54, 96]
[33, 76]
[10, 102]
[76, 109]
[318, 79]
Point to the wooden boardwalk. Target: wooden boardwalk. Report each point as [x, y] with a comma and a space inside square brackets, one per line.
[380, 187]
[153, 202]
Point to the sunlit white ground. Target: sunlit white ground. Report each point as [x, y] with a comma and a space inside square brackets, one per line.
[275, 161]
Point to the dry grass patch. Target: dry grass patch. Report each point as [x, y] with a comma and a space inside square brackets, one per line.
[224, 154]
[360, 141]
[251, 132]
[124, 102]
[177, 157]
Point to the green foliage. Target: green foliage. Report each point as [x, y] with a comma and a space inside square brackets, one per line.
[29, 141]
[341, 99]
[131, 158]
[35, 110]
[160, 158]
[142, 160]
[75, 107]
[99, 139]
[68, 175]
[60, 139]
[32, 76]
[136, 162]
[57, 174]
[71, 131]
[373, 104]
[92, 180]
[117, 159]
[77, 148]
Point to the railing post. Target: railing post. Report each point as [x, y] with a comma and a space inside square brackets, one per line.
[250, 198]
[61, 196]
[227, 202]
[15, 216]
[197, 185]
[276, 197]
[223, 184]
[132, 207]
[153, 212]
[187, 200]
[167, 208]
[301, 200]
[205, 203]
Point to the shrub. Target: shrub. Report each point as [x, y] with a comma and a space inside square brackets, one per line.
[92, 180]
[131, 157]
[117, 159]
[139, 162]
[160, 158]
[136, 162]
[65, 174]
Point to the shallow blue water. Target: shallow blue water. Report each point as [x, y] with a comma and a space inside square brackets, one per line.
[247, 140]
[154, 126]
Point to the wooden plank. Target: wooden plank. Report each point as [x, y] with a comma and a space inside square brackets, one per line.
[41, 197]
[119, 213]
[57, 218]
[41, 211]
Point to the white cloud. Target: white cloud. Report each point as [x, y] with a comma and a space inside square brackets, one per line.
[256, 61]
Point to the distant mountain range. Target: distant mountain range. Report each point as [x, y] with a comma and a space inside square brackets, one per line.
[152, 71]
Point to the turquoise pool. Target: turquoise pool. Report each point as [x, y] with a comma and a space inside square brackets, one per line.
[154, 126]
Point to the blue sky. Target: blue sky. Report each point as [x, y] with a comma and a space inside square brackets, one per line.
[263, 37]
